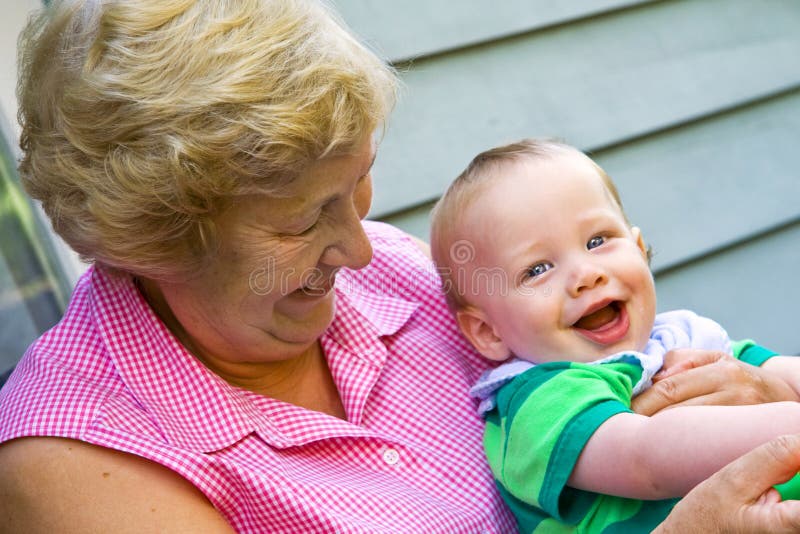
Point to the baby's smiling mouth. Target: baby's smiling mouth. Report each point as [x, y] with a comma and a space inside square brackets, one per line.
[606, 325]
[598, 318]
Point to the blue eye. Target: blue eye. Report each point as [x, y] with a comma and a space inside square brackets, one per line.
[538, 269]
[595, 242]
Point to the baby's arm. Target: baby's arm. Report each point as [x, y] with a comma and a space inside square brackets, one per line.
[666, 455]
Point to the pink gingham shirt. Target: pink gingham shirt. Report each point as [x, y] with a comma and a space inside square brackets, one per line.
[408, 458]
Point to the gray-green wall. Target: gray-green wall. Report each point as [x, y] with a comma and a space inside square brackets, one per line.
[692, 106]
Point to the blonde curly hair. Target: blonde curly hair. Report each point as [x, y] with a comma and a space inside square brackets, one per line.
[142, 120]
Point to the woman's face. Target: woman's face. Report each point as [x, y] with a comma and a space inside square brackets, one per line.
[268, 295]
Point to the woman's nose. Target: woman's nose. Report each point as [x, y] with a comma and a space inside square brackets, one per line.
[351, 248]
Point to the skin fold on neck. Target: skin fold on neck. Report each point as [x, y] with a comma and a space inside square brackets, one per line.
[304, 380]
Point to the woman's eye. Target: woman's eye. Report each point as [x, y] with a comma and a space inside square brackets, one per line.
[305, 230]
[595, 242]
[538, 269]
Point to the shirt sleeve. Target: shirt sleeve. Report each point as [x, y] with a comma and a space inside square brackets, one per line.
[543, 420]
[749, 352]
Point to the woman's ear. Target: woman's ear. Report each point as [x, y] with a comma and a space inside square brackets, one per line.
[477, 328]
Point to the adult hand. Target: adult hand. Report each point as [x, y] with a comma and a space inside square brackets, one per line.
[740, 497]
[695, 377]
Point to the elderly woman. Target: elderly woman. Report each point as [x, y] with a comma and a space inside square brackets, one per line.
[245, 352]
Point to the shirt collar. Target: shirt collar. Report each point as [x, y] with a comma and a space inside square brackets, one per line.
[363, 316]
[193, 407]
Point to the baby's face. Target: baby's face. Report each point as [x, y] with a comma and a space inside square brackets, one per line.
[578, 283]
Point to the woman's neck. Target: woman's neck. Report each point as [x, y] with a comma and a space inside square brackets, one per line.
[304, 380]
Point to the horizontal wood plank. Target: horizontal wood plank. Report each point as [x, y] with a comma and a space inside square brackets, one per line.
[594, 83]
[413, 28]
[750, 290]
[696, 189]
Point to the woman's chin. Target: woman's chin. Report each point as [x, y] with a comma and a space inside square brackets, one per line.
[302, 318]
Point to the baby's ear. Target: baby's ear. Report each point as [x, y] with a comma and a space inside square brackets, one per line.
[476, 327]
[637, 235]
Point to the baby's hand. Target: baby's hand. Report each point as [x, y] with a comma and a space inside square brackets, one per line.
[701, 377]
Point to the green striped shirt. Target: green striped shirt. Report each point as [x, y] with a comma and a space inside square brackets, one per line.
[542, 421]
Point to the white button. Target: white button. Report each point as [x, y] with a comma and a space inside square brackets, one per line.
[391, 456]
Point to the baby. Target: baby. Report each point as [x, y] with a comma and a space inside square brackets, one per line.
[544, 272]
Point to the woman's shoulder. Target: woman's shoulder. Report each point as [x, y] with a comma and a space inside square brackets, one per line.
[387, 239]
[399, 261]
[125, 490]
[47, 396]
[64, 379]
[402, 268]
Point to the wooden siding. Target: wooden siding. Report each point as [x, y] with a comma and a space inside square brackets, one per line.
[418, 28]
[595, 83]
[750, 289]
[693, 107]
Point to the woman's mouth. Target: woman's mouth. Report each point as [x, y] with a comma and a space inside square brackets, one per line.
[604, 326]
[315, 284]
[315, 290]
